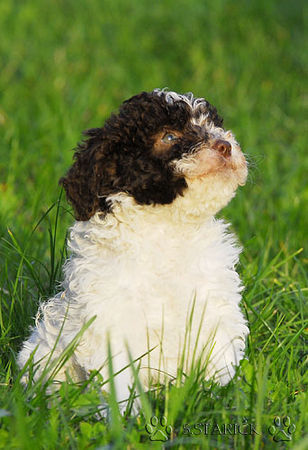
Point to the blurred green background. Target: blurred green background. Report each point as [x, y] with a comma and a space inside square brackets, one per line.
[67, 64]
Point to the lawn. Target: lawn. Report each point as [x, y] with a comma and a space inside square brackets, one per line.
[65, 66]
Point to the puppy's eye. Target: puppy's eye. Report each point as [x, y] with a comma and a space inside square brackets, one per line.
[169, 137]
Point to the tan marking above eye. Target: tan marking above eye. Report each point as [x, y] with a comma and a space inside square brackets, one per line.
[161, 141]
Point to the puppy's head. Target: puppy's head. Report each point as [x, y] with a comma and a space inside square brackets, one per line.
[156, 147]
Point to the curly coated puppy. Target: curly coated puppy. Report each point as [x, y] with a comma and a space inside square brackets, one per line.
[146, 249]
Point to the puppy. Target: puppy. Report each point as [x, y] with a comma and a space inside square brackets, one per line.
[148, 258]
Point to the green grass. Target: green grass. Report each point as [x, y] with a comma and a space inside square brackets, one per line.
[65, 65]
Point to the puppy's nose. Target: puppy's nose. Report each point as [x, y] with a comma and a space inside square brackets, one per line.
[223, 147]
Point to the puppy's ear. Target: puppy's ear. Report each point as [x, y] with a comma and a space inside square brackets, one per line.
[86, 182]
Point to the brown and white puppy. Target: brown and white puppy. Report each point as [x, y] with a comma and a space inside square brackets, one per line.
[145, 245]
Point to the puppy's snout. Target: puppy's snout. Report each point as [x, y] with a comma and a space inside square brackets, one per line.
[223, 147]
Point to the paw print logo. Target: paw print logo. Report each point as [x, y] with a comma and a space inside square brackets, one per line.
[282, 429]
[158, 429]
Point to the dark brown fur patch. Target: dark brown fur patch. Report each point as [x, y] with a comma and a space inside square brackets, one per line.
[119, 157]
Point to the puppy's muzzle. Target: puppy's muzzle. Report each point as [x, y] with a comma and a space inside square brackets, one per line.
[223, 147]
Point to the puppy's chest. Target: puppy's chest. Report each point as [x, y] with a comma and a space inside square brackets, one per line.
[171, 261]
